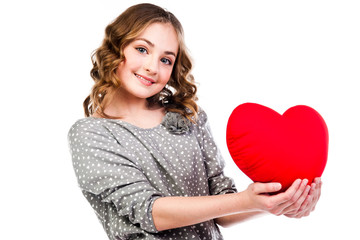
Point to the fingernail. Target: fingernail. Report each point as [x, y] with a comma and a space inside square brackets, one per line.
[305, 181]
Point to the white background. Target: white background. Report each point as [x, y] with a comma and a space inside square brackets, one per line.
[276, 53]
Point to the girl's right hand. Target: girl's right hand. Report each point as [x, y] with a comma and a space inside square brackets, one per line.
[279, 204]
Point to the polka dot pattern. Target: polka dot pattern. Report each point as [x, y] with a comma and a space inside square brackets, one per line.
[122, 169]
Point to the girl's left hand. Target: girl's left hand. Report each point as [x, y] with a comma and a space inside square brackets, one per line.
[302, 208]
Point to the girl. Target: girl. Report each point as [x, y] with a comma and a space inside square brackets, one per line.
[144, 155]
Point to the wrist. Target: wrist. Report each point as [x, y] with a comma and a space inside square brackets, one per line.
[245, 203]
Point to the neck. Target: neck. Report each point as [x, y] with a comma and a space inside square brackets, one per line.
[122, 105]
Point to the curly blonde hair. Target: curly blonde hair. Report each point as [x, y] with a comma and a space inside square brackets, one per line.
[179, 95]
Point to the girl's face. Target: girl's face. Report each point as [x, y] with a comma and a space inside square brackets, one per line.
[149, 61]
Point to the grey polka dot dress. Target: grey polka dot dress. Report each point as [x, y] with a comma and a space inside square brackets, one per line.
[122, 169]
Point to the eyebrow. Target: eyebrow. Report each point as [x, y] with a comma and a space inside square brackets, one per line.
[152, 45]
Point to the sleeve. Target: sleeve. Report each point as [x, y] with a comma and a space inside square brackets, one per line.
[214, 162]
[105, 168]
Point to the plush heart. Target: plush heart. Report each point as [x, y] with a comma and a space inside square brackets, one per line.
[269, 147]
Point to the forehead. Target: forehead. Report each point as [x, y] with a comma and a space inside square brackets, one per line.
[162, 35]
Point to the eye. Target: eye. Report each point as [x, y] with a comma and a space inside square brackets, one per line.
[166, 61]
[141, 49]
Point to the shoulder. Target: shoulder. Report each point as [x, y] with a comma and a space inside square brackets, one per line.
[84, 124]
[86, 127]
[202, 117]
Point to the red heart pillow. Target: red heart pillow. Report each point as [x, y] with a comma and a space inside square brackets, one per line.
[269, 147]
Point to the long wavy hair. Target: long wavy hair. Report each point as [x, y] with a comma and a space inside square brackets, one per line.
[180, 93]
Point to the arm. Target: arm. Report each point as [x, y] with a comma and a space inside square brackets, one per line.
[174, 212]
[228, 221]
[110, 179]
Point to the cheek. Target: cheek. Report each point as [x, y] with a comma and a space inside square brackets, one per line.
[124, 71]
[165, 79]
[133, 63]
[167, 74]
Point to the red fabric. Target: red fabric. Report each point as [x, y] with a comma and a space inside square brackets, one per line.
[269, 147]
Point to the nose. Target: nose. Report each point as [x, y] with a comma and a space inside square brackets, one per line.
[151, 65]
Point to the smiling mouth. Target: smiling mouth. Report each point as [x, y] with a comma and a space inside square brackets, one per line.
[149, 82]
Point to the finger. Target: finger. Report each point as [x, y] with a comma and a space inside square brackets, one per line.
[291, 205]
[295, 215]
[288, 194]
[290, 215]
[317, 180]
[313, 188]
[307, 213]
[298, 215]
[312, 199]
[259, 188]
[313, 207]
[297, 194]
[316, 191]
[297, 202]
[301, 214]
[317, 187]
[303, 196]
[302, 192]
[305, 199]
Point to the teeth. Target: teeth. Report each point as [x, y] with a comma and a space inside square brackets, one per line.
[143, 78]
